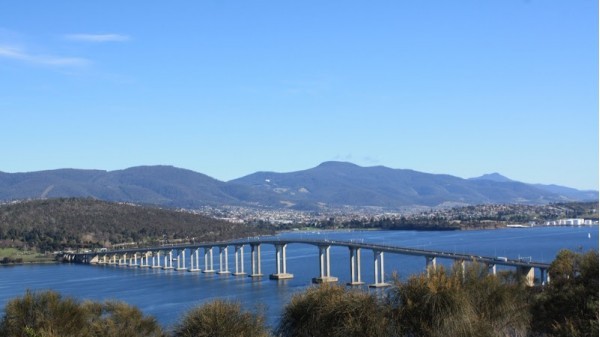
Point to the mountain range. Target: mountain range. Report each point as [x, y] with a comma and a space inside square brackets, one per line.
[330, 184]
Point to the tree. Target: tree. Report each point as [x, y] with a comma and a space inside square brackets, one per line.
[568, 306]
[220, 319]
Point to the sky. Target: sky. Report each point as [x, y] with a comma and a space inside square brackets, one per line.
[227, 88]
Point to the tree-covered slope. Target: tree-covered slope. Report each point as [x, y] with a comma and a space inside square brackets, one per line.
[57, 223]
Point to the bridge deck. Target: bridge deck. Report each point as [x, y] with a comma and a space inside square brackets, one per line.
[325, 242]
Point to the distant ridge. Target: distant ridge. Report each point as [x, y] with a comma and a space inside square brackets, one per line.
[330, 184]
[497, 177]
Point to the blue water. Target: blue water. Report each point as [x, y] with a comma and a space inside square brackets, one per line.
[168, 294]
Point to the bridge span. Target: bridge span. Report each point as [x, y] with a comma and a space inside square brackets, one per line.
[163, 257]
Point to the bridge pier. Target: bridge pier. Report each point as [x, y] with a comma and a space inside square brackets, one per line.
[156, 259]
[544, 276]
[491, 268]
[280, 264]
[208, 260]
[430, 263]
[145, 260]
[324, 267]
[181, 260]
[239, 260]
[355, 267]
[223, 261]
[168, 260]
[527, 274]
[195, 257]
[379, 272]
[255, 260]
[123, 260]
[133, 260]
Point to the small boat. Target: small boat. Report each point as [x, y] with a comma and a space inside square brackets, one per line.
[589, 235]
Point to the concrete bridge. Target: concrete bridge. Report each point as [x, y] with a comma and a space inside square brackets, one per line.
[164, 256]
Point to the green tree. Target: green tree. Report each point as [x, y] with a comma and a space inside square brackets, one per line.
[334, 311]
[568, 306]
[220, 319]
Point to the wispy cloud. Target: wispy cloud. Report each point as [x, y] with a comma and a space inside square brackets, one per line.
[16, 53]
[97, 37]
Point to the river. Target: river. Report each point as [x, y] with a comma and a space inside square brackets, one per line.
[167, 294]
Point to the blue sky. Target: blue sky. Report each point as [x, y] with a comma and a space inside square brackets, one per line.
[227, 88]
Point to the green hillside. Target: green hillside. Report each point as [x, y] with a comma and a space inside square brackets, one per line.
[55, 224]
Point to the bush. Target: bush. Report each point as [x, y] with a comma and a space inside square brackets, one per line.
[48, 314]
[221, 319]
[462, 302]
[334, 311]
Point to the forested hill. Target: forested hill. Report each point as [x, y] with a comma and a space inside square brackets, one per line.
[58, 223]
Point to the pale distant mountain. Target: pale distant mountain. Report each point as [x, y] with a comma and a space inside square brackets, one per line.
[566, 192]
[332, 184]
[340, 183]
[497, 177]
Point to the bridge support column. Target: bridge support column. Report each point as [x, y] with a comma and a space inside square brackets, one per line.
[430, 262]
[239, 261]
[123, 260]
[181, 260]
[195, 257]
[355, 267]
[255, 260]
[379, 272]
[527, 274]
[208, 260]
[156, 259]
[280, 264]
[223, 260]
[133, 262]
[544, 276]
[168, 260]
[324, 266]
[491, 268]
[145, 260]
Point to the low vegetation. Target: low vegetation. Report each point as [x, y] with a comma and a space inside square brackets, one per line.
[18, 256]
[456, 302]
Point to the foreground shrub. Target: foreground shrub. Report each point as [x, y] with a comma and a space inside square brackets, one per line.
[43, 314]
[462, 302]
[48, 314]
[115, 318]
[334, 311]
[221, 319]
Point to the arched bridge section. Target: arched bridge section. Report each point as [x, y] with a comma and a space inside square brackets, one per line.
[191, 257]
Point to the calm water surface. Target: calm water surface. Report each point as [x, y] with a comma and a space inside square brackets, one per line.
[168, 294]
